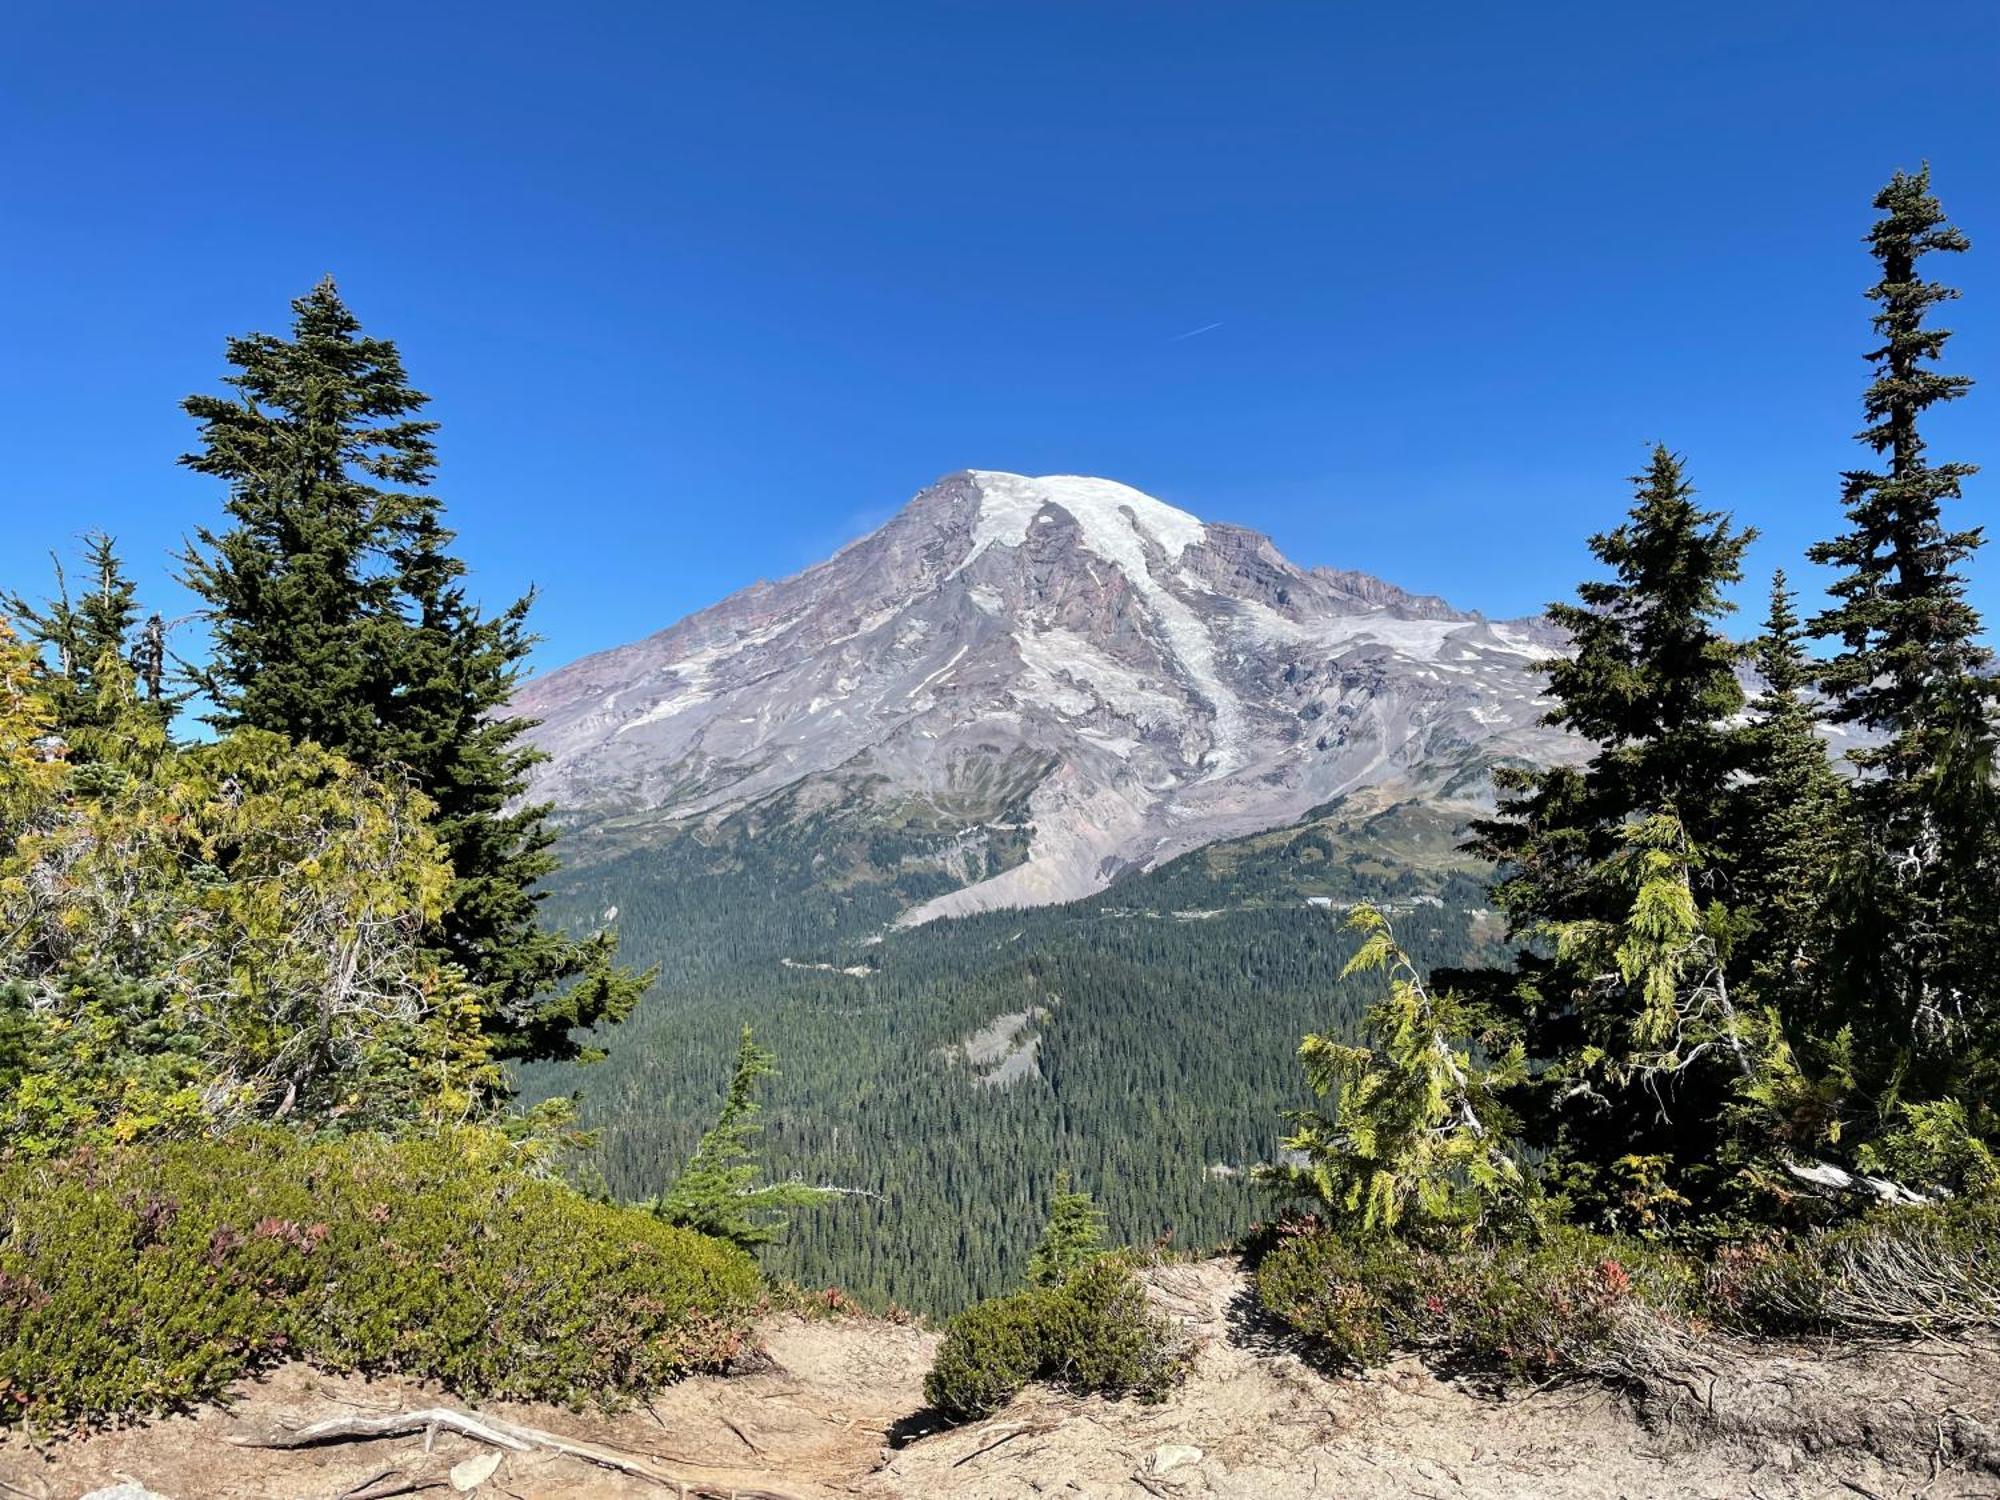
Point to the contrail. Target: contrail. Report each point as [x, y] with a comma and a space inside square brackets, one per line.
[1192, 332]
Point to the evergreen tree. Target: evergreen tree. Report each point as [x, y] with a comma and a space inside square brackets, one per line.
[1914, 968]
[1072, 1238]
[340, 617]
[88, 643]
[1793, 817]
[1417, 1140]
[302, 611]
[1652, 681]
[718, 1192]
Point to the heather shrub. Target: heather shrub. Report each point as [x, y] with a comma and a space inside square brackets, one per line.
[1897, 1271]
[1090, 1333]
[1527, 1309]
[139, 1280]
[989, 1354]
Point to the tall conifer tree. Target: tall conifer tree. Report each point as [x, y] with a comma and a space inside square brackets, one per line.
[340, 616]
[1916, 974]
[1652, 681]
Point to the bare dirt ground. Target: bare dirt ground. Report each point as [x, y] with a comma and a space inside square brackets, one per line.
[836, 1412]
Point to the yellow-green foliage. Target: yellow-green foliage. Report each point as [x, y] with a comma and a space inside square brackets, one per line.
[147, 1277]
[1090, 1333]
[1530, 1309]
[28, 777]
[194, 938]
[1416, 1135]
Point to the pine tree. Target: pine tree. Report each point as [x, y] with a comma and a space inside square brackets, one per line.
[718, 1192]
[1794, 810]
[1072, 1238]
[1914, 971]
[340, 617]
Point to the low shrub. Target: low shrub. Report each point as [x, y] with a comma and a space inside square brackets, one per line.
[143, 1279]
[1897, 1271]
[1530, 1310]
[1563, 1303]
[1091, 1332]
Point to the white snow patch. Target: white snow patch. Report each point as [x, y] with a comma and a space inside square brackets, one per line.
[1051, 656]
[1521, 641]
[1113, 516]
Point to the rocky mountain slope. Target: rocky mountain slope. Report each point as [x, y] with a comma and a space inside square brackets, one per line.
[1055, 680]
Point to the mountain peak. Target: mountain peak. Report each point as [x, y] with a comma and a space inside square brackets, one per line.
[1115, 519]
[1058, 656]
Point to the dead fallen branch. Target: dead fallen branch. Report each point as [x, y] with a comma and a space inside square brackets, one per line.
[514, 1437]
[390, 1483]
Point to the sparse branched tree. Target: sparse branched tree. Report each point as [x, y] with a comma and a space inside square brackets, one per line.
[1417, 1140]
[1660, 972]
[88, 642]
[1794, 815]
[719, 1191]
[1914, 961]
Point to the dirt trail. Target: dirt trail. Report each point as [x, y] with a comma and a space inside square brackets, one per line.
[1254, 1419]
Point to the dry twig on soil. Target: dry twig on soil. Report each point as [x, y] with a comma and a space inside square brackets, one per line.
[431, 1420]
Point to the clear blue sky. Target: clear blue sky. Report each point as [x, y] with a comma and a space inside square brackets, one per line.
[702, 291]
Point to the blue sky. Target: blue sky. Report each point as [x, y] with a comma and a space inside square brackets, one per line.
[703, 291]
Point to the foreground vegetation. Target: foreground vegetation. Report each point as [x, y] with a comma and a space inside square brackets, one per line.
[1570, 1302]
[1081, 1323]
[140, 1279]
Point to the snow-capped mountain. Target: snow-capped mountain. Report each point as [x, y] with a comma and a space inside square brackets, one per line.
[1126, 680]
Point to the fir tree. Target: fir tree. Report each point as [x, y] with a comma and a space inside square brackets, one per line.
[1793, 817]
[1913, 965]
[340, 617]
[718, 1192]
[87, 643]
[1652, 681]
[1072, 1238]
[323, 455]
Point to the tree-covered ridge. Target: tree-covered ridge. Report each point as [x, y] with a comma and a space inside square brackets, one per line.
[1160, 1067]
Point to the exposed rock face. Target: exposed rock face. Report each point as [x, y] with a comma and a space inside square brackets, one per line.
[1150, 682]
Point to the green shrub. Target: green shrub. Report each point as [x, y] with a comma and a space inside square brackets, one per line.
[1090, 1333]
[141, 1280]
[989, 1354]
[1324, 1286]
[1531, 1310]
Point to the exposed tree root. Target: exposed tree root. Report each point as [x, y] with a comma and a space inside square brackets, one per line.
[515, 1438]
